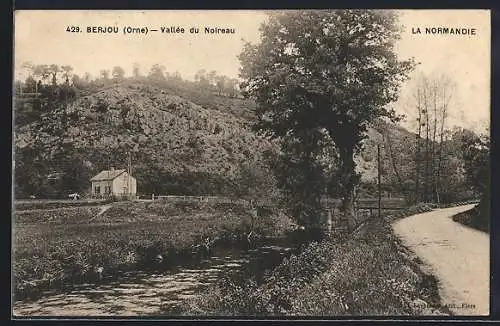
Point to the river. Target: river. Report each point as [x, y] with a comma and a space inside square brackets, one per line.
[143, 293]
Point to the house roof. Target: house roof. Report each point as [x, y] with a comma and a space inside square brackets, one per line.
[107, 175]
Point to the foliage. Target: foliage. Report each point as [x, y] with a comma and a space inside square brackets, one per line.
[118, 73]
[476, 152]
[136, 70]
[257, 181]
[157, 72]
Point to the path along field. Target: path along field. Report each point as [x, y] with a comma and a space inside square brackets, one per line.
[458, 256]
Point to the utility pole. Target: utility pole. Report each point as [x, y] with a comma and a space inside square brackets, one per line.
[129, 172]
[379, 186]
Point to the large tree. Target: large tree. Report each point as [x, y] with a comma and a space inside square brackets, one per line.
[332, 70]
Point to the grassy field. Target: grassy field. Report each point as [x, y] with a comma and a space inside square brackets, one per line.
[54, 247]
[369, 274]
[28, 204]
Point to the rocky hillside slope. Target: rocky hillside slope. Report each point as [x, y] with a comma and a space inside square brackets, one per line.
[192, 144]
[165, 134]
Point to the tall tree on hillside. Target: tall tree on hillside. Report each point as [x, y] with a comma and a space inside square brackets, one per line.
[423, 94]
[201, 77]
[334, 70]
[87, 77]
[157, 72]
[118, 73]
[220, 84]
[421, 156]
[427, 154]
[54, 70]
[476, 154]
[418, 154]
[67, 73]
[231, 86]
[444, 92]
[432, 97]
[28, 68]
[211, 76]
[176, 76]
[77, 81]
[41, 72]
[136, 70]
[387, 139]
[29, 84]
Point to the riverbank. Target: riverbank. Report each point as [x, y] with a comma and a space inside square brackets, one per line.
[56, 248]
[149, 293]
[369, 274]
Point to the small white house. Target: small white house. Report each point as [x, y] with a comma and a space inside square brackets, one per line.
[114, 183]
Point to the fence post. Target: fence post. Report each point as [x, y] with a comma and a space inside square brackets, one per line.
[152, 196]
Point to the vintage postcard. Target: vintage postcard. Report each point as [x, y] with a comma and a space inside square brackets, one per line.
[237, 163]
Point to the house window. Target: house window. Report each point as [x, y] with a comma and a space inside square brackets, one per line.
[97, 189]
[107, 189]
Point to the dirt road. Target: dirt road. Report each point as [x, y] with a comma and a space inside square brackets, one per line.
[457, 255]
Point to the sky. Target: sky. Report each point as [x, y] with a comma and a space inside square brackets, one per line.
[41, 37]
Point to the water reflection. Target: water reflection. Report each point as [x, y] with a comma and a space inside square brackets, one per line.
[150, 292]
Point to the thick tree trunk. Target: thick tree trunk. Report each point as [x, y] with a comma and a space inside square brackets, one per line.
[348, 177]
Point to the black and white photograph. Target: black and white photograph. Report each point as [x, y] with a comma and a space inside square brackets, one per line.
[251, 163]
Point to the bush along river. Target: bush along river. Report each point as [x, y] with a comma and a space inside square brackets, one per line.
[161, 287]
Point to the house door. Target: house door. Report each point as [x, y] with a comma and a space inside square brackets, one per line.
[107, 190]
